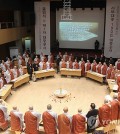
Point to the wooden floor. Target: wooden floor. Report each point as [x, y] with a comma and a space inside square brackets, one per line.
[81, 92]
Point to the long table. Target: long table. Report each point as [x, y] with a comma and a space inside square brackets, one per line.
[95, 76]
[5, 91]
[112, 85]
[20, 80]
[44, 73]
[70, 72]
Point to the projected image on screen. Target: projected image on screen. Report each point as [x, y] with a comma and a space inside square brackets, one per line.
[77, 31]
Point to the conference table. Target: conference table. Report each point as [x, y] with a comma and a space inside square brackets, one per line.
[20, 80]
[70, 72]
[5, 91]
[95, 76]
[112, 85]
[44, 73]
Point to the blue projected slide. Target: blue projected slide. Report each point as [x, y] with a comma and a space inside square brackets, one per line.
[77, 31]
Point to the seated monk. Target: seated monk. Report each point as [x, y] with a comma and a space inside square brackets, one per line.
[115, 105]
[32, 119]
[64, 122]
[16, 120]
[105, 113]
[49, 121]
[78, 123]
[4, 118]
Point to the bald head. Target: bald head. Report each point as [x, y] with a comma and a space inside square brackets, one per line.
[105, 101]
[79, 110]
[65, 109]
[115, 96]
[30, 107]
[15, 108]
[49, 107]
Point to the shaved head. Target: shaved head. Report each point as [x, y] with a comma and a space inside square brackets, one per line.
[49, 107]
[30, 107]
[79, 110]
[115, 96]
[65, 109]
[15, 108]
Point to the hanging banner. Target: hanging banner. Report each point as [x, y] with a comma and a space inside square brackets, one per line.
[112, 30]
[42, 27]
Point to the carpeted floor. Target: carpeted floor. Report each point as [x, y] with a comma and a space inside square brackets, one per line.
[81, 92]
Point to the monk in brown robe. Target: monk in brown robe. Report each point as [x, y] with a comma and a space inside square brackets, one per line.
[31, 119]
[49, 121]
[87, 66]
[16, 120]
[109, 70]
[78, 123]
[117, 64]
[98, 68]
[82, 67]
[105, 113]
[64, 122]
[4, 118]
[93, 66]
[104, 68]
[115, 105]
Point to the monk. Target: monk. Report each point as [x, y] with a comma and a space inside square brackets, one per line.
[15, 72]
[75, 64]
[118, 82]
[32, 119]
[104, 68]
[105, 113]
[119, 96]
[21, 71]
[98, 68]
[117, 64]
[16, 120]
[93, 66]
[4, 118]
[108, 72]
[63, 65]
[82, 66]
[115, 105]
[69, 64]
[64, 122]
[50, 121]
[113, 73]
[78, 123]
[87, 66]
